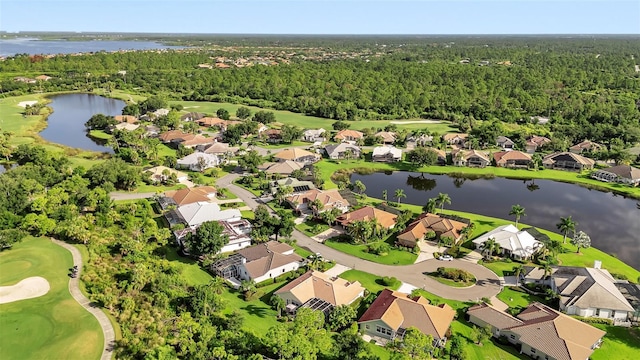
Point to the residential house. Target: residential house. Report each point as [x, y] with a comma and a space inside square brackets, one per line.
[161, 112]
[220, 149]
[237, 232]
[329, 199]
[314, 135]
[455, 139]
[195, 214]
[123, 126]
[195, 140]
[513, 242]
[217, 122]
[297, 155]
[419, 140]
[125, 119]
[192, 116]
[283, 168]
[267, 261]
[151, 131]
[173, 136]
[273, 136]
[470, 158]
[348, 135]
[25, 80]
[392, 313]
[631, 292]
[367, 213]
[388, 137]
[567, 161]
[198, 161]
[386, 154]
[585, 146]
[623, 174]
[442, 227]
[534, 143]
[505, 143]
[298, 186]
[512, 159]
[540, 332]
[159, 174]
[187, 196]
[342, 151]
[317, 287]
[442, 156]
[588, 292]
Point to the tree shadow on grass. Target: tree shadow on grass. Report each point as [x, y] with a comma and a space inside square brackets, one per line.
[259, 311]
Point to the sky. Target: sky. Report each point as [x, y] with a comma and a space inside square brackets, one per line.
[324, 16]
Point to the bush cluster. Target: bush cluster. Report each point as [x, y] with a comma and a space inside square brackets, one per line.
[455, 274]
[593, 320]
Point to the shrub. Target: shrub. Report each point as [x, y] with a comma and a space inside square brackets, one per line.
[379, 248]
[389, 281]
[593, 320]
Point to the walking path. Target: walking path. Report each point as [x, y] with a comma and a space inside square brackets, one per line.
[488, 283]
[74, 289]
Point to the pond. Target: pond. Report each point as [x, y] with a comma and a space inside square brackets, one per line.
[612, 221]
[70, 112]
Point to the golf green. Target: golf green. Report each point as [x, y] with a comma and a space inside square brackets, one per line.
[53, 326]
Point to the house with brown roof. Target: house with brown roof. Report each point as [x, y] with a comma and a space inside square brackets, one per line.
[392, 313]
[541, 332]
[330, 199]
[470, 158]
[173, 136]
[512, 159]
[385, 219]
[388, 137]
[125, 118]
[587, 292]
[426, 223]
[623, 174]
[272, 136]
[455, 138]
[505, 143]
[297, 155]
[585, 146]
[282, 168]
[534, 143]
[194, 140]
[567, 161]
[348, 135]
[267, 261]
[220, 149]
[320, 286]
[159, 174]
[216, 122]
[187, 196]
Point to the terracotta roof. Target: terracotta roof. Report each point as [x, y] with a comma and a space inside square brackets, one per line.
[451, 136]
[286, 167]
[467, 154]
[426, 222]
[384, 218]
[397, 310]
[196, 140]
[343, 134]
[387, 136]
[503, 156]
[210, 121]
[191, 195]
[314, 284]
[171, 135]
[328, 198]
[126, 118]
[538, 140]
[268, 256]
[293, 154]
[220, 148]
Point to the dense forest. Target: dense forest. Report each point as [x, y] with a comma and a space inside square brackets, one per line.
[588, 87]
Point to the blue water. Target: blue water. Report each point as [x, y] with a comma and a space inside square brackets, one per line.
[31, 46]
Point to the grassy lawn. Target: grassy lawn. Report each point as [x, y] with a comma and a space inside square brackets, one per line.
[23, 127]
[450, 282]
[515, 298]
[503, 268]
[53, 326]
[258, 315]
[309, 225]
[100, 134]
[190, 271]
[248, 214]
[394, 257]
[301, 251]
[489, 349]
[370, 282]
[619, 343]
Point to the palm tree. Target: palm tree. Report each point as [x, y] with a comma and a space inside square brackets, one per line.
[467, 231]
[517, 271]
[399, 193]
[443, 199]
[316, 205]
[217, 285]
[566, 225]
[384, 195]
[360, 231]
[359, 186]
[518, 211]
[489, 247]
[546, 268]
[430, 206]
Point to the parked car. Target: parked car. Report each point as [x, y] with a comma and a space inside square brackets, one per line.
[445, 257]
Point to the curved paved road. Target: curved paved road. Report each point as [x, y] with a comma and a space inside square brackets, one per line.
[74, 289]
[488, 283]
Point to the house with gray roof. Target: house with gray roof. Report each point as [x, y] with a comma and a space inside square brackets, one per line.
[624, 174]
[314, 135]
[340, 151]
[198, 161]
[196, 213]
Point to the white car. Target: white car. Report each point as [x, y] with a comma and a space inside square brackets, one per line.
[445, 258]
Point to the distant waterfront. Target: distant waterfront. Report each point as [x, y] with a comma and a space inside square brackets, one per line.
[33, 46]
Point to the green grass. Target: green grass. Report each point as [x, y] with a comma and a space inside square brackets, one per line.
[100, 134]
[393, 257]
[24, 128]
[248, 214]
[258, 315]
[190, 271]
[452, 283]
[301, 251]
[619, 343]
[308, 225]
[515, 298]
[53, 326]
[489, 350]
[378, 351]
[370, 282]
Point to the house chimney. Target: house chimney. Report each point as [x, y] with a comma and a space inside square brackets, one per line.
[597, 264]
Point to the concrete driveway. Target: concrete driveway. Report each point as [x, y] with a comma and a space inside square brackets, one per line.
[488, 283]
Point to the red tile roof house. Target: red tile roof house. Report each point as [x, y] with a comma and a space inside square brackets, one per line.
[385, 219]
[512, 159]
[392, 313]
[348, 135]
[535, 142]
[540, 332]
[427, 222]
[585, 146]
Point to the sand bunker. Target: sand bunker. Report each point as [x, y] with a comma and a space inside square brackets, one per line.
[24, 104]
[399, 122]
[28, 288]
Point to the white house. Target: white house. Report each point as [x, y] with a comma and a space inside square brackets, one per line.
[267, 261]
[196, 213]
[314, 135]
[199, 161]
[237, 231]
[386, 154]
[518, 244]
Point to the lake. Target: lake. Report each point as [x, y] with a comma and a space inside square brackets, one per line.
[612, 221]
[70, 112]
[10, 47]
